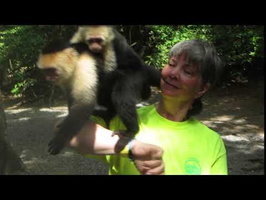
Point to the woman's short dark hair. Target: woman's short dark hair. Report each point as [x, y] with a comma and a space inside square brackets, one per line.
[202, 54]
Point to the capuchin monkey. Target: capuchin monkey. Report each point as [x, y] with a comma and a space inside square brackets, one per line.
[125, 78]
[75, 71]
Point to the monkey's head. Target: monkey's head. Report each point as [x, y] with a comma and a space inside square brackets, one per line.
[58, 61]
[97, 37]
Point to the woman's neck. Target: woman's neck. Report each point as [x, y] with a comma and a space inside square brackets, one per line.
[173, 109]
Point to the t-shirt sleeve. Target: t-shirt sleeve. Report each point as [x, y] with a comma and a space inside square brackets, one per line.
[219, 167]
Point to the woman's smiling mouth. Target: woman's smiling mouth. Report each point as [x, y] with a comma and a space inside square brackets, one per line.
[170, 84]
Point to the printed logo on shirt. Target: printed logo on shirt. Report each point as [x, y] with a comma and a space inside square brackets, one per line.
[192, 166]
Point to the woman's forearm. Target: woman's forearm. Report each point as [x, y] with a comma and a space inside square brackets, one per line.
[94, 139]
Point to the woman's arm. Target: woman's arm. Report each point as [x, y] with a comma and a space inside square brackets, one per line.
[95, 139]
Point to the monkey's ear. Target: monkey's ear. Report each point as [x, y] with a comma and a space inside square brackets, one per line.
[77, 37]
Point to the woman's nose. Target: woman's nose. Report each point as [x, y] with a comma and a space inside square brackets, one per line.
[174, 73]
[172, 77]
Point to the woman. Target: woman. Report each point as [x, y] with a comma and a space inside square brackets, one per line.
[187, 145]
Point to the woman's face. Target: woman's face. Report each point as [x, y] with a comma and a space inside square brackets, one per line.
[181, 79]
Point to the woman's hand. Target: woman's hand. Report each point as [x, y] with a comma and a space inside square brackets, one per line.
[148, 158]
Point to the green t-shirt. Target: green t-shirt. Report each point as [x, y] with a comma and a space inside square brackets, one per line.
[190, 147]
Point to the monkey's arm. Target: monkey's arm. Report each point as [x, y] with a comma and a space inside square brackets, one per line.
[70, 126]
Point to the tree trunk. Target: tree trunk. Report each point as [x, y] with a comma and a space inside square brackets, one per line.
[10, 162]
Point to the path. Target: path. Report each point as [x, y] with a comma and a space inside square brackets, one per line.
[237, 114]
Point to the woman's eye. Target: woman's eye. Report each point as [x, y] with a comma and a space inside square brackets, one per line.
[188, 72]
[171, 64]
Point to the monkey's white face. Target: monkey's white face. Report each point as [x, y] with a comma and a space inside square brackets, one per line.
[51, 75]
[58, 67]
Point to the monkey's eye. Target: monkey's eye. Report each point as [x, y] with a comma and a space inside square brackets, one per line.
[95, 40]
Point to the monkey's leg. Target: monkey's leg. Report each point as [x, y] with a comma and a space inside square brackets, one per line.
[124, 100]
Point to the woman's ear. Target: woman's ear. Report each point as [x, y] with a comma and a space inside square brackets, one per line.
[204, 88]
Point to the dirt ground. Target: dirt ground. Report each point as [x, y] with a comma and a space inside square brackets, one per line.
[236, 113]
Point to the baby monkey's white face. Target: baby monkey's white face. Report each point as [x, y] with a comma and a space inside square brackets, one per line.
[96, 43]
[96, 37]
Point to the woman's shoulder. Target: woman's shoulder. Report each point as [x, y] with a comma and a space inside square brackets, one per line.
[205, 128]
[146, 109]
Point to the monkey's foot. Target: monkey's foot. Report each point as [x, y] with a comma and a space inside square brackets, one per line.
[126, 134]
[124, 139]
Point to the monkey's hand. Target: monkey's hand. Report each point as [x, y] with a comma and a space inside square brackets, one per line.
[56, 145]
[58, 142]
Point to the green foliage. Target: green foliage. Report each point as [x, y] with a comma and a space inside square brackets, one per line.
[166, 36]
[241, 47]
[19, 50]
